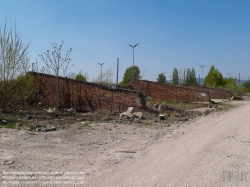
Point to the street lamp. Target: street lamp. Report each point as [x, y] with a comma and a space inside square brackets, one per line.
[101, 70]
[33, 67]
[228, 74]
[133, 46]
[202, 72]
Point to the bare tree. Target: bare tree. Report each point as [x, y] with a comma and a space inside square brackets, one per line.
[14, 63]
[105, 77]
[54, 61]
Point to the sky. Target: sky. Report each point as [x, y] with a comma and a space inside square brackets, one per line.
[171, 34]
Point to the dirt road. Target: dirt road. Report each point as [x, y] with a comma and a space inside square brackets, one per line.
[212, 150]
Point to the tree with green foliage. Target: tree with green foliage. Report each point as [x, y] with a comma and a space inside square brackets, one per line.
[187, 77]
[190, 77]
[15, 87]
[193, 76]
[230, 82]
[214, 78]
[131, 72]
[80, 77]
[161, 78]
[175, 77]
[246, 86]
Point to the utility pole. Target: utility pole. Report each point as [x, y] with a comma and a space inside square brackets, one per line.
[117, 71]
[33, 67]
[133, 46]
[101, 70]
[184, 76]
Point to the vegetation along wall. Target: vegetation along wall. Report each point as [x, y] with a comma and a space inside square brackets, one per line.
[84, 96]
[166, 92]
[214, 93]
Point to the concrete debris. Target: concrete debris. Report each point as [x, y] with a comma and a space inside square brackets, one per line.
[246, 97]
[156, 106]
[131, 115]
[50, 110]
[162, 107]
[7, 162]
[127, 114]
[29, 117]
[69, 110]
[47, 129]
[4, 122]
[138, 114]
[130, 109]
[162, 116]
[19, 124]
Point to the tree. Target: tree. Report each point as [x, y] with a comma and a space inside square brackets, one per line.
[193, 77]
[187, 78]
[128, 75]
[14, 63]
[175, 77]
[214, 78]
[230, 82]
[105, 77]
[246, 86]
[80, 77]
[161, 78]
[54, 62]
[190, 77]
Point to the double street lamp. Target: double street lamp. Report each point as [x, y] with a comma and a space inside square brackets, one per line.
[202, 72]
[133, 46]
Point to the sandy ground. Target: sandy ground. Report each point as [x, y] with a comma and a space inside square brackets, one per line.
[211, 150]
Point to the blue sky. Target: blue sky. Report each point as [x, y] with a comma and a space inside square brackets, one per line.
[171, 33]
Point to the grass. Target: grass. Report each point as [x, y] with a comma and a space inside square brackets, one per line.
[180, 105]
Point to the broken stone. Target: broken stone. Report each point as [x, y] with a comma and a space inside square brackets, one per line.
[138, 114]
[69, 110]
[48, 129]
[19, 124]
[156, 105]
[7, 162]
[29, 117]
[4, 122]
[127, 114]
[130, 109]
[50, 110]
[161, 116]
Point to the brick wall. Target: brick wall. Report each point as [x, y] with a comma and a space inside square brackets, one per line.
[84, 96]
[213, 92]
[165, 92]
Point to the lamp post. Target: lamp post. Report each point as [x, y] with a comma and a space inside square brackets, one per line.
[101, 70]
[184, 75]
[133, 46]
[33, 67]
[202, 72]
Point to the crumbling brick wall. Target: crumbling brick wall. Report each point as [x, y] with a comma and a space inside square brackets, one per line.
[214, 93]
[84, 96]
[165, 92]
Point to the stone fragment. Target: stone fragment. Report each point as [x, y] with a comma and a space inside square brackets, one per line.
[138, 114]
